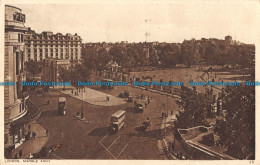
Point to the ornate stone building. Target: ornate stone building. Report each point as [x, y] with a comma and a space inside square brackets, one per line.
[48, 45]
[15, 101]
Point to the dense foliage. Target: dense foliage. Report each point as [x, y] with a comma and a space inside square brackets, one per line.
[168, 55]
[33, 67]
[193, 109]
[237, 132]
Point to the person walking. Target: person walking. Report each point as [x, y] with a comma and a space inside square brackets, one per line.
[29, 135]
[16, 156]
[47, 132]
[33, 135]
[20, 153]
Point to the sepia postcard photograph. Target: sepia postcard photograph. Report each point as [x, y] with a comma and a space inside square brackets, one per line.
[174, 81]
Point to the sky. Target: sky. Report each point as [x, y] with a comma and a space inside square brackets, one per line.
[165, 22]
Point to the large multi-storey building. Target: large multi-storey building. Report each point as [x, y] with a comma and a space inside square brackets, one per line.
[15, 100]
[48, 45]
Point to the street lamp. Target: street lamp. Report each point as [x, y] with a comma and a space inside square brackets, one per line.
[82, 104]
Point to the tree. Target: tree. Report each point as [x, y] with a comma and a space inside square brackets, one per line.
[119, 54]
[237, 131]
[79, 73]
[33, 67]
[193, 107]
[64, 75]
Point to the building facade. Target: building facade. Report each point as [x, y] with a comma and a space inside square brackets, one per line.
[15, 100]
[48, 45]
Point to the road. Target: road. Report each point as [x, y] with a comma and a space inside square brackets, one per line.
[89, 139]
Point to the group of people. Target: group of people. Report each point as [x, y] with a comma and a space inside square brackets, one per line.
[28, 135]
[20, 154]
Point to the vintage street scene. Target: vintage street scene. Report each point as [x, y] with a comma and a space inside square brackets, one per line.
[129, 81]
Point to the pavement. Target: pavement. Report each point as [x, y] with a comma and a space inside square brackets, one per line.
[33, 145]
[168, 136]
[94, 97]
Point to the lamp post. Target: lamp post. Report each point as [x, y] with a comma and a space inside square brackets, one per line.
[82, 105]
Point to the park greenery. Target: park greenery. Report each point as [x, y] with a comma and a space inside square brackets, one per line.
[33, 68]
[237, 131]
[192, 107]
[169, 55]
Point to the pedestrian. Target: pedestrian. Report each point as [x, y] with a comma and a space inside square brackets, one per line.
[20, 153]
[33, 134]
[107, 98]
[47, 132]
[29, 135]
[15, 156]
[72, 92]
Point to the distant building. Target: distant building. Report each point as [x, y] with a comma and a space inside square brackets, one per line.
[89, 50]
[146, 52]
[48, 45]
[15, 101]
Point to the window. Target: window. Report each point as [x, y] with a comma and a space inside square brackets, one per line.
[20, 108]
[17, 63]
[22, 62]
[22, 38]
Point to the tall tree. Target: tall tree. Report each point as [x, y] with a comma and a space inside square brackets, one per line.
[193, 107]
[33, 67]
[237, 132]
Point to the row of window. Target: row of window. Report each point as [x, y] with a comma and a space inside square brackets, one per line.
[41, 57]
[56, 50]
[53, 45]
[52, 38]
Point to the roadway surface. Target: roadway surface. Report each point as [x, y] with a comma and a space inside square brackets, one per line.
[89, 138]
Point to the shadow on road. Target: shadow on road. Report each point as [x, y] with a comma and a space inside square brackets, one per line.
[52, 113]
[131, 109]
[156, 133]
[99, 131]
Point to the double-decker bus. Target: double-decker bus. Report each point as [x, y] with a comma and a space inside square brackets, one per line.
[117, 121]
